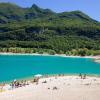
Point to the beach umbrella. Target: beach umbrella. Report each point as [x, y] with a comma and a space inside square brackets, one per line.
[38, 75]
[15, 80]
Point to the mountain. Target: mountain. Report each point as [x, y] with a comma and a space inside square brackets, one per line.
[35, 27]
[11, 12]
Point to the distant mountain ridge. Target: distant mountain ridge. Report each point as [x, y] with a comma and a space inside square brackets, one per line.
[10, 12]
[35, 27]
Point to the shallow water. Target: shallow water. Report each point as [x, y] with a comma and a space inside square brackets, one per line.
[21, 66]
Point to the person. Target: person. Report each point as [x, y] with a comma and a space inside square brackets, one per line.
[80, 75]
[2, 86]
[84, 77]
[44, 81]
[55, 88]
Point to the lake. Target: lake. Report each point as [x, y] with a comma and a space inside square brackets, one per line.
[22, 66]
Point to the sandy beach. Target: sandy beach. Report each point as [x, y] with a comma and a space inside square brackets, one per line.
[97, 60]
[57, 88]
[46, 54]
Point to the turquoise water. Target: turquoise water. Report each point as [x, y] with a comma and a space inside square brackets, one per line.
[16, 67]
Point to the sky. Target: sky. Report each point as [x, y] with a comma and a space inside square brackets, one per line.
[90, 7]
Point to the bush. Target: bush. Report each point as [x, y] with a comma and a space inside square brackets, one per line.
[52, 52]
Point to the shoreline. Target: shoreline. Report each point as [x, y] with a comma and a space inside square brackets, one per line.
[45, 54]
[29, 78]
[97, 60]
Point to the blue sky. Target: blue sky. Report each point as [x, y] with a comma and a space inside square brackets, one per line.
[90, 7]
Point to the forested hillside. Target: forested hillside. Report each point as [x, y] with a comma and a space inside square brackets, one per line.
[39, 28]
